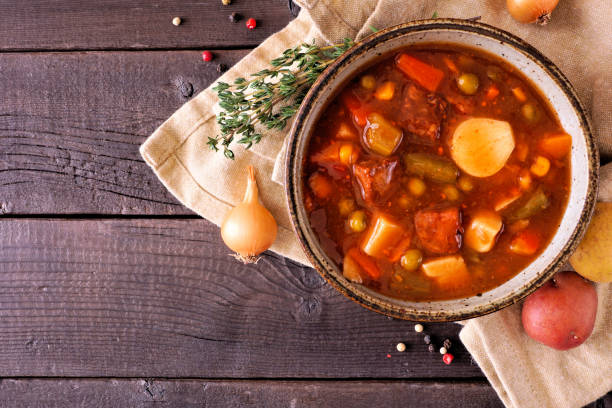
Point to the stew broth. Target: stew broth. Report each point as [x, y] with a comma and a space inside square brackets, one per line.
[437, 173]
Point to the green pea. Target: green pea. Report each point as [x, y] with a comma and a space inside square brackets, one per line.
[358, 221]
[411, 260]
[468, 83]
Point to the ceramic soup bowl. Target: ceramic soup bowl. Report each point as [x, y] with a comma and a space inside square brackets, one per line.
[552, 84]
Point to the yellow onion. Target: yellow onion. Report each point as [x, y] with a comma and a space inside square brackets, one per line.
[531, 11]
[249, 228]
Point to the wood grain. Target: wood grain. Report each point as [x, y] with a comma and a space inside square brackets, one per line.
[117, 393]
[162, 298]
[135, 24]
[71, 125]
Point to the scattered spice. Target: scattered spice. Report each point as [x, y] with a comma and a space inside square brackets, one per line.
[447, 344]
[207, 56]
[251, 23]
[443, 350]
[221, 68]
[226, 2]
[418, 328]
[431, 348]
[401, 347]
[427, 339]
[177, 21]
[448, 358]
[235, 17]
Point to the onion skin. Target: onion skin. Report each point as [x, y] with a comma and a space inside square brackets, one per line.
[531, 11]
[249, 228]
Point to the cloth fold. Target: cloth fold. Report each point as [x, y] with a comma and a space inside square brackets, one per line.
[579, 40]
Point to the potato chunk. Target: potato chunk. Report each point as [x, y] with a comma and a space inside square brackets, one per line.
[383, 235]
[481, 146]
[449, 272]
[482, 230]
[351, 270]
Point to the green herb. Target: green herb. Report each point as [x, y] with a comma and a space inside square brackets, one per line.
[372, 28]
[271, 97]
[435, 15]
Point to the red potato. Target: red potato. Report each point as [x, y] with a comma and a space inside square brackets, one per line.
[561, 314]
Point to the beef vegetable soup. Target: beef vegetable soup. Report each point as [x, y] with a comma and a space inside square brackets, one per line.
[437, 173]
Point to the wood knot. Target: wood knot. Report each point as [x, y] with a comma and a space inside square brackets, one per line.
[311, 278]
[184, 87]
[309, 309]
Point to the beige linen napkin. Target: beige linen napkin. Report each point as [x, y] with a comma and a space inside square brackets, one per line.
[579, 41]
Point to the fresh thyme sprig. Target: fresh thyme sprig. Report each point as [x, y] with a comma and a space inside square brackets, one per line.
[271, 97]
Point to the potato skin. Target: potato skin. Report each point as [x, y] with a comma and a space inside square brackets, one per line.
[561, 314]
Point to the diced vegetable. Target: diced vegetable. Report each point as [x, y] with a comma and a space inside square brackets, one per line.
[451, 65]
[427, 76]
[346, 206]
[530, 112]
[519, 94]
[358, 221]
[448, 271]
[451, 192]
[384, 234]
[320, 185]
[431, 167]
[481, 146]
[468, 83]
[540, 166]
[411, 260]
[524, 180]
[557, 146]
[382, 136]
[536, 203]
[416, 186]
[368, 82]
[482, 230]
[351, 102]
[348, 154]
[465, 183]
[351, 269]
[526, 242]
[401, 248]
[507, 200]
[385, 91]
[492, 92]
[346, 131]
[365, 262]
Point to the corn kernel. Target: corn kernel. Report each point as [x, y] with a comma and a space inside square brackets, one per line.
[368, 82]
[346, 206]
[385, 91]
[540, 166]
[416, 186]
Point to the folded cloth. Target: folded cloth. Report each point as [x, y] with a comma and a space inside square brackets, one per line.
[578, 40]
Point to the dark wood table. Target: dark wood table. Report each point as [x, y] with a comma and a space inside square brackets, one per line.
[112, 293]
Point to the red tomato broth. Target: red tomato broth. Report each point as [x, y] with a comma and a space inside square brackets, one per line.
[417, 112]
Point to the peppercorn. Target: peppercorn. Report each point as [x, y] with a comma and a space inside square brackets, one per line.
[207, 56]
[226, 2]
[447, 344]
[427, 339]
[251, 23]
[431, 348]
[448, 358]
[176, 21]
[443, 350]
[401, 347]
[418, 328]
[221, 68]
[235, 17]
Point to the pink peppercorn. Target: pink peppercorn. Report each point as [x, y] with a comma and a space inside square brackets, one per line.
[207, 56]
[448, 358]
[251, 23]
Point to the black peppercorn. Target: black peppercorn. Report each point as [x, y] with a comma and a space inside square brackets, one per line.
[447, 344]
[427, 339]
[235, 17]
[221, 68]
[431, 348]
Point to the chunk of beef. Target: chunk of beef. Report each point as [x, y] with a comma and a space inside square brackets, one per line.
[422, 114]
[374, 177]
[439, 230]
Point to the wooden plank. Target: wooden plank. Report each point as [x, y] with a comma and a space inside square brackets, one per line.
[135, 393]
[162, 298]
[136, 24]
[71, 125]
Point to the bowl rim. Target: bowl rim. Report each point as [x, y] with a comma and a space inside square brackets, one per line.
[297, 129]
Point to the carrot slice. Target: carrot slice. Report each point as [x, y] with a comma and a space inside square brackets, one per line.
[526, 242]
[354, 106]
[427, 76]
[400, 249]
[364, 261]
[492, 92]
[519, 94]
[451, 65]
[556, 146]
